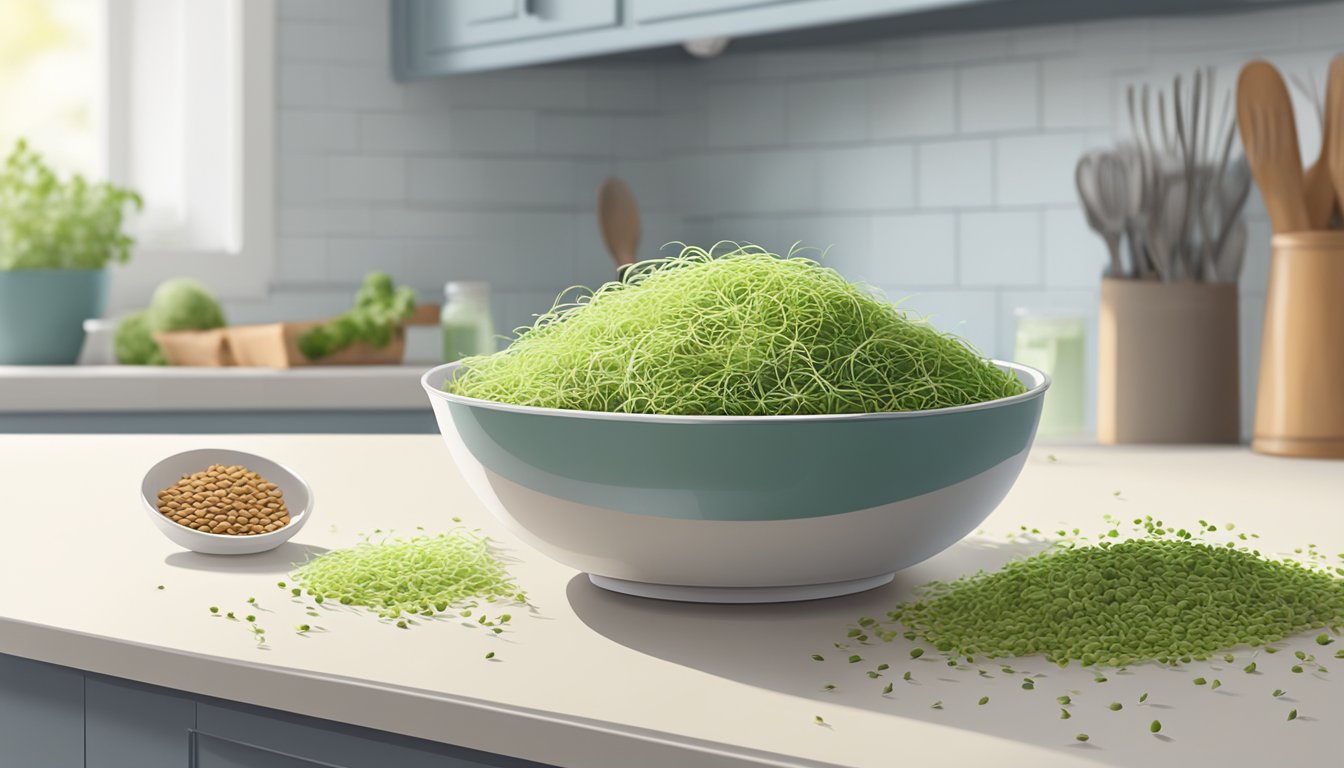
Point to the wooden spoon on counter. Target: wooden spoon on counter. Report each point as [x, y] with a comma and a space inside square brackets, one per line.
[1332, 137]
[1269, 135]
[618, 220]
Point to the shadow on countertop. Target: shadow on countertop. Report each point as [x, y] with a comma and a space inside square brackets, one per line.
[282, 559]
[770, 646]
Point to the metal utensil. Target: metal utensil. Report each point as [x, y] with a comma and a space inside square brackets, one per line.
[1165, 220]
[1269, 134]
[1103, 185]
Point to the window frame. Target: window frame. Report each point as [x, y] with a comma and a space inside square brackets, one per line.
[244, 273]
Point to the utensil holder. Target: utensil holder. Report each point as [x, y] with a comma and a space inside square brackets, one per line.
[1168, 369]
[1299, 409]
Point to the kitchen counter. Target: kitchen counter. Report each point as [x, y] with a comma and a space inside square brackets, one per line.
[590, 678]
[137, 398]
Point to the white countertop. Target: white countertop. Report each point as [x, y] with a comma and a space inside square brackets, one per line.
[597, 679]
[131, 388]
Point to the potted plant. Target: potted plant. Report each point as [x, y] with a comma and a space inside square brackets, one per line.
[56, 240]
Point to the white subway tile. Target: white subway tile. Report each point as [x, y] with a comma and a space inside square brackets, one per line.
[1075, 256]
[970, 314]
[324, 220]
[1051, 40]
[916, 249]
[919, 103]
[532, 182]
[866, 178]
[304, 40]
[719, 183]
[750, 115]
[629, 90]
[525, 89]
[963, 47]
[844, 242]
[362, 86]
[308, 10]
[301, 259]
[1039, 170]
[308, 131]
[815, 62]
[349, 259]
[572, 134]
[301, 84]
[366, 178]
[1076, 94]
[445, 180]
[302, 178]
[827, 111]
[494, 130]
[401, 133]
[998, 97]
[955, 174]
[638, 136]
[1000, 248]
[651, 182]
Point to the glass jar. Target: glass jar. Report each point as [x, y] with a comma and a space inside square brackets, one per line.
[1055, 343]
[467, 326]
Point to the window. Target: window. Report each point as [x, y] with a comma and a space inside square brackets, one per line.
[172, 98]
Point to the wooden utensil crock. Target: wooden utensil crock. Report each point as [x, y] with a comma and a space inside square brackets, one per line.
[1167, 369]
[1299, 408]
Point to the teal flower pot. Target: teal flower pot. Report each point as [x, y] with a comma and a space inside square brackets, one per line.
[42, 313]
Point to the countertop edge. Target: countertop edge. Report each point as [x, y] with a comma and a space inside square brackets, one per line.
[554, 739]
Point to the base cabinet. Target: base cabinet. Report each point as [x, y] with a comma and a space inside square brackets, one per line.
[57, 717]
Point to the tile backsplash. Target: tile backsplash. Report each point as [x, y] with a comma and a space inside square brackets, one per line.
[938, 168]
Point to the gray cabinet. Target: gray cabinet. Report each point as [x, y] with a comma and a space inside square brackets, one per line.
[56, 717]
[41, 714]
[647, 11]
[471, 23]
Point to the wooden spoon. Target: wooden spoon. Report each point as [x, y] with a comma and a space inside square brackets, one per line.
[1269, 134]
[618, 220]
[1321, 194]
[1332, 137]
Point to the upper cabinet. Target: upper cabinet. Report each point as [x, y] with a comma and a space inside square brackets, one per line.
[442, 37]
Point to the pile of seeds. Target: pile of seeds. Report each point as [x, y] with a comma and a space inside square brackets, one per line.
[422, 575]
[1166, 597]
[228, 500]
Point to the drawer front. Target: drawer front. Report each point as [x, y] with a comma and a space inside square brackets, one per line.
[455, 25]
[129, 725]
[652, 11]
[41, 714]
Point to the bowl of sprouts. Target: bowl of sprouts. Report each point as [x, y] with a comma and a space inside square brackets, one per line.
[735, 426]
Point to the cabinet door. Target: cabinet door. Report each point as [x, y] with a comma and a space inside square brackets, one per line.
[646, 11]
[238, 736]
[129, 725]
[41, 714]
[454, 25]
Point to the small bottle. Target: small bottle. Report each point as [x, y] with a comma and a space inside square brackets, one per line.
[467, 327]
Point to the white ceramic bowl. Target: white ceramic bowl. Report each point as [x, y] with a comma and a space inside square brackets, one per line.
[298, 497]
[739, 508]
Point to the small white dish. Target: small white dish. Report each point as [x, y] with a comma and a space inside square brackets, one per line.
[298, 498]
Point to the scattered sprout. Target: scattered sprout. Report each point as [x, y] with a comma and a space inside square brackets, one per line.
[1155, 727]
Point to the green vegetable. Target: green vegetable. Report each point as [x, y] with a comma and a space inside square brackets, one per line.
[1116, 706]
[47, 223]
[1323, 639]
[886, 689]
[1297, 669]
[1143, 697]
[905, 676]
[1249, 668]
[214, 609]
[1064, 714]
[1215, 685]
[379, 309]
[915, 653]
[1279, 692]
[134, 343]
[250, 617]
[490, 655]
[1081, 737]
[1082, 592]
[1156, 726]
[984, 700]
[183, 304]
[743, 332]
[396, 577]
[1292, 714]
[817, 657]
[1200, 681]
[1064, 700]
[817, 719]
[855, 659]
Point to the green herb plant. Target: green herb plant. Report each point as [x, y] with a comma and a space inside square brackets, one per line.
[50, 223]
[379, 308]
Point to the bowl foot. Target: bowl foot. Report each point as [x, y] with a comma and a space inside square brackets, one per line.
[786, 594]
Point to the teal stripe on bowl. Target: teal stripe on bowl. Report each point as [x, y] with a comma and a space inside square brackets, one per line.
[771, 470]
